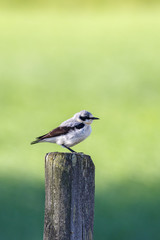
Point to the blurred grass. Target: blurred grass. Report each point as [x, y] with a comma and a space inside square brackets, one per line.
[53, 64]
[78, 4]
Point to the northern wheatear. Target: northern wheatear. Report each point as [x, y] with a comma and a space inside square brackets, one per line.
[70, 132]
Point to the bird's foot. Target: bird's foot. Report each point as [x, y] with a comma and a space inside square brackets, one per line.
[68, 148]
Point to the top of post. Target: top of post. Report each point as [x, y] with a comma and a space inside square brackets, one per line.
[69, 157]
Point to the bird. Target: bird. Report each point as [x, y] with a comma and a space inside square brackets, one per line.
[70, 132]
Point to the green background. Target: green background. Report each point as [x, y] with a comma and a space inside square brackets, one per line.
[54, 63]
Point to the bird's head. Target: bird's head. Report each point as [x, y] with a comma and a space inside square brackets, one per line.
[85, 117]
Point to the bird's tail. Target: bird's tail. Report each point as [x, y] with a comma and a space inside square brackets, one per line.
[36, 141]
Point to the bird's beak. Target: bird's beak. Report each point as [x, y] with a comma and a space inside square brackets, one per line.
[95, 118]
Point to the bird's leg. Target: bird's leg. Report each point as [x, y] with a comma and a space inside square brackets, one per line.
[68, 148]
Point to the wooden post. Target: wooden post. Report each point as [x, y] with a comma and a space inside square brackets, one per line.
[69, 196]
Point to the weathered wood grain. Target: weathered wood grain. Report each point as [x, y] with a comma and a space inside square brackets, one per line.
[69, 196]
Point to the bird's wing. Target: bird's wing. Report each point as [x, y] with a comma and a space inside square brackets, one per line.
[55, 132]
[61, 130]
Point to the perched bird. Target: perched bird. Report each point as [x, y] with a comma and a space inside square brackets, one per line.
[70, 132]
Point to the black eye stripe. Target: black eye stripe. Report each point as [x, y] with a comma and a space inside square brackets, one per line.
[84, 118]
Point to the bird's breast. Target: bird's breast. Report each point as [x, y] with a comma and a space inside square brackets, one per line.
[77, 136]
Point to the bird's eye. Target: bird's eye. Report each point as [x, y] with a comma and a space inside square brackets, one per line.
[84, 118]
